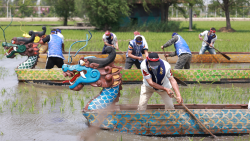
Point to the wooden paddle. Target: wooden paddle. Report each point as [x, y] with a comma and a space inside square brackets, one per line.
[177, 79]
[227, 57]
[204, 127]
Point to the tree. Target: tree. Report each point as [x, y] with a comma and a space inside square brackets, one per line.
[191, 3]
[63, 8]
[24, 9]
[226, 7]
[103, 14]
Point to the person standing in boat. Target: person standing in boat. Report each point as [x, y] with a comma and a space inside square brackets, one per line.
[210, 37]
[157, 77]
[59, 33]
[134, 53]
[181, 50]
[55, 50]
[109, 39]
[136, 34]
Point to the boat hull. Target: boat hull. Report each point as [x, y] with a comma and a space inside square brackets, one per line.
[172, 122]
[236, 57]
[134, 75]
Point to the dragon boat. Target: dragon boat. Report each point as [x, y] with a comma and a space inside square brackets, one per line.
[236, 57]
[102, 112]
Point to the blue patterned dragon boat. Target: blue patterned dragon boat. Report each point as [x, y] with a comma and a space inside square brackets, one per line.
[102, 112]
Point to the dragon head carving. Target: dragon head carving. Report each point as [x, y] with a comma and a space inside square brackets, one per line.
[23, 46]
[98, 72]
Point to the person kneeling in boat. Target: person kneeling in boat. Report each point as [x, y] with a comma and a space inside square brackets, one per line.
[210, 37]
[157, 77]
[109, 39]
[134, 53]
[181, 50]
[56, 49]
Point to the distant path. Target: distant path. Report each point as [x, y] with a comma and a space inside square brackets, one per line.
[210, 19]
[35, 19]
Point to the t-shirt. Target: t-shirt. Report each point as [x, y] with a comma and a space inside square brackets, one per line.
[143, 40]
[114, 39]
[60, 35]
[206, 38]
[147, 75]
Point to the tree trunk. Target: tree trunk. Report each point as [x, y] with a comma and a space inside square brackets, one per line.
[167, 5]
[65, 21]
[226, 6]
[190, 18]
[162, 12]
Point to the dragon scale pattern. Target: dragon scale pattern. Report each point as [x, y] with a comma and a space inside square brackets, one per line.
[29, 63]
[107, 97]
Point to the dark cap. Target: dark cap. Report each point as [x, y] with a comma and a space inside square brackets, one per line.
[153, 59]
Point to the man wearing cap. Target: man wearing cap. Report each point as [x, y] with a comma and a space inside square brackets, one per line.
[59, 33]
[134, 53]
[109, 39]
[55, 49]
[157, 77]
[181, 50]
[136, 34]
[210, 37]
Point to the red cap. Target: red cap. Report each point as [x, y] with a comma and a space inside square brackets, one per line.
[212, 31]
[107, 33]
[137, 33]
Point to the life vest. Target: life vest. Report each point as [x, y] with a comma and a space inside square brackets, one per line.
[136, 50]
[110, 39]
[161, 73]
[210, 37]
[55, 46]
[181, 46]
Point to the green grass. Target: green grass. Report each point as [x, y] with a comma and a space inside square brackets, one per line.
[238, 41]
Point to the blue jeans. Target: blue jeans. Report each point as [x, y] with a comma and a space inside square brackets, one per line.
[204, 48]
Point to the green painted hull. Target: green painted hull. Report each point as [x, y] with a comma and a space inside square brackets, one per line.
[134, 75]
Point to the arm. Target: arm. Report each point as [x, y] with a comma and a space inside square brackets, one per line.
[200, 37]
[157, 86]
[172, 54]
[130, 55]
[176, 89]
[44, 40]
[116, 45]
[146, 52]
[170, 42]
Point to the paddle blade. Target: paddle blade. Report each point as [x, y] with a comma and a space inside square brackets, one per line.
[249, 104]
[228, 58]
[180, 82]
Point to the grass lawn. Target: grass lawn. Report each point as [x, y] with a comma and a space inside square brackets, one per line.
[238, 41]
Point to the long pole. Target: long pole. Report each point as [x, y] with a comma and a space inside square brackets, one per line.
[204, 127]
[7, 9]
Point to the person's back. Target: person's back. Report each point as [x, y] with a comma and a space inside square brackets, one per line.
[55, 46]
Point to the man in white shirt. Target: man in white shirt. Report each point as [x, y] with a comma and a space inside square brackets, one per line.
[157, 77]
[109, 39]
[210, 37]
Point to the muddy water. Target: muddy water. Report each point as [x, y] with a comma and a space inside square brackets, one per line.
[44, 112]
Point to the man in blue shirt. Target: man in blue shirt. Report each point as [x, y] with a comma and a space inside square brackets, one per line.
[181, 50]
[55, 50]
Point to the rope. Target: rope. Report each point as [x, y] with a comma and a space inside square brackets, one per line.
[70, 57]
[6, 27]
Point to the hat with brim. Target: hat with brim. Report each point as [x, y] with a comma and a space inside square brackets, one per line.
[153, 59]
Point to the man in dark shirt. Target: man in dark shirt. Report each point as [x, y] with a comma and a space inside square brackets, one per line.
[55, 49]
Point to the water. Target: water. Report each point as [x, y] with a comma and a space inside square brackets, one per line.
[44, 112]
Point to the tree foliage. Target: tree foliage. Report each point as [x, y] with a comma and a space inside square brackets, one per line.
[24, 10]
[227, 6]
[104, 14]
[63, 8]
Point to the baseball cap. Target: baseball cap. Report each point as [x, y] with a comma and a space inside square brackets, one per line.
[153, 59]
[107, 33]
[58, 30]
[136, 33]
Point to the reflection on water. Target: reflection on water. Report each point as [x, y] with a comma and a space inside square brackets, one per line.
[44, 112]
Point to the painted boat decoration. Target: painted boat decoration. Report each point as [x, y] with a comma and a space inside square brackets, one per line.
[236, 57]
[218, 119]
[55, 76]
[102, 112]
